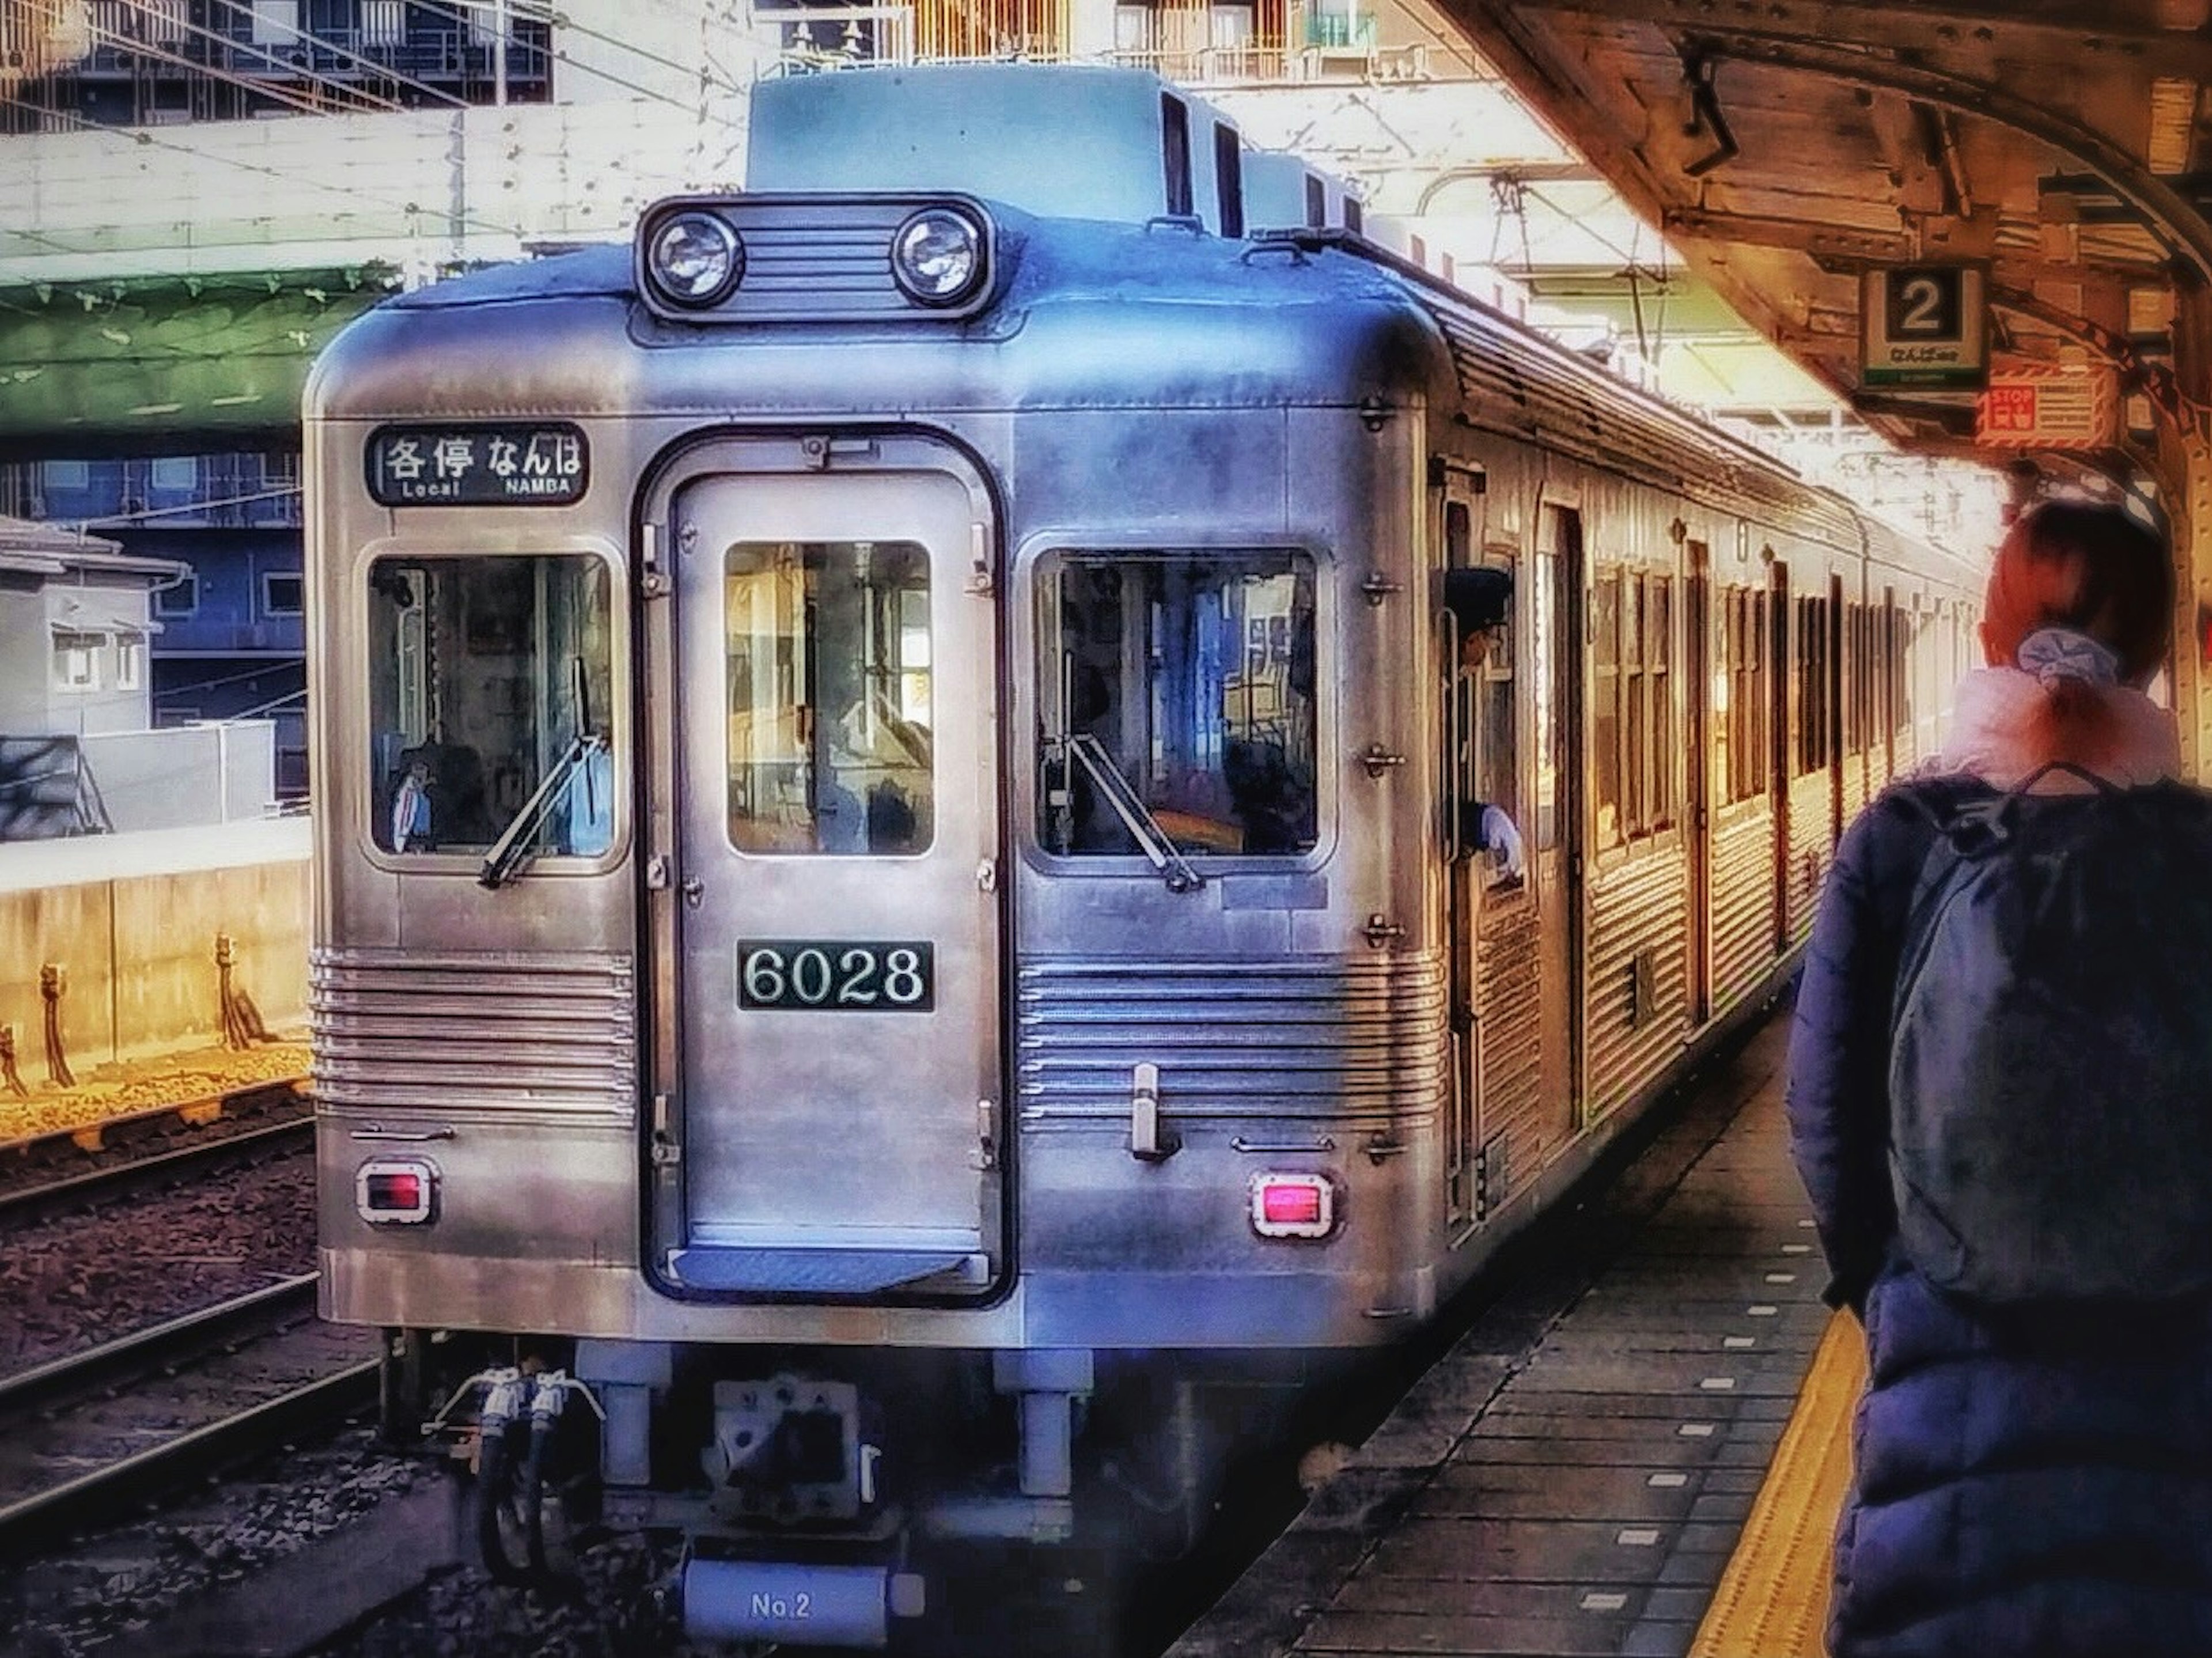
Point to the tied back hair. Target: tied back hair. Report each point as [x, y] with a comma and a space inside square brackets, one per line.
[2086, 570]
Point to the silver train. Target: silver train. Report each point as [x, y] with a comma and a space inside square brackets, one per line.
[914, 893]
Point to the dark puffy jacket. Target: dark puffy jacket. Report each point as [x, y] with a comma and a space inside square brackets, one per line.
[2030, 1485]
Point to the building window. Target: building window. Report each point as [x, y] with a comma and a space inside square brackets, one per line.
[58, 475]
[280, 594]
[383, 22]
[175, 472]
[181, 599]
[276, 22]
[77, 661]
[129, 665]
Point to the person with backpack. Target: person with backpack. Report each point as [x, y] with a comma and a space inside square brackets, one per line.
[2000, 1102]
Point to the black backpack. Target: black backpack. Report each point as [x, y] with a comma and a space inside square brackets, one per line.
[2051, 1055]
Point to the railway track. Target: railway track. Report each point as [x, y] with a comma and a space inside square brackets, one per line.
[97, 1433]
[114, 1158]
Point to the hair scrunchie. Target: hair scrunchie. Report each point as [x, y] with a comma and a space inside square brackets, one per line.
[2055, 653]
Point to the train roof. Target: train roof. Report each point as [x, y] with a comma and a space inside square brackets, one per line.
[1091, 314]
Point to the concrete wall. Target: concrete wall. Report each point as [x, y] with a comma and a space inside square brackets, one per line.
[139, 947]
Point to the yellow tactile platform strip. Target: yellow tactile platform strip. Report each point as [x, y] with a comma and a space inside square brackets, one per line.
[1772, 1600]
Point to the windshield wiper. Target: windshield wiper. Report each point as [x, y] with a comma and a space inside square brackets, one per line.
[1129, 807]
[504, 861]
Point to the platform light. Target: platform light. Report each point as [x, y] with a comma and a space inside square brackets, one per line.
[695, 258]
[1293, 1206]
[937, 257]
[396, 1190]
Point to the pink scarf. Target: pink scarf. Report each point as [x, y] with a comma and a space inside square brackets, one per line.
[1992, 734]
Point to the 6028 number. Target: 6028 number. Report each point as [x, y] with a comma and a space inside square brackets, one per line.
[850, 976]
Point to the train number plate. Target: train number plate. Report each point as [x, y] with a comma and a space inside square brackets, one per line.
[817, 975]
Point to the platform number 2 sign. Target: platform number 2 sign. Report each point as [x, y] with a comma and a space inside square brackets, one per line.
[1924, 326]
[1923, 305]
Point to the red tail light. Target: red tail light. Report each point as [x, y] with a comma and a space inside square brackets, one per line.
[396, 1192]
[1293, 1206]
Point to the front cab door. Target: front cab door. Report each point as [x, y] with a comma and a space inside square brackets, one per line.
[831, 933]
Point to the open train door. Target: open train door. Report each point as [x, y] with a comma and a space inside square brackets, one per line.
[827, 925]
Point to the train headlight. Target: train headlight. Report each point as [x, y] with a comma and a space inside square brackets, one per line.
[696, 259]
[937, 257]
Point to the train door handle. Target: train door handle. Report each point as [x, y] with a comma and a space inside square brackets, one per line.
[1148, 1141]
[693, 890]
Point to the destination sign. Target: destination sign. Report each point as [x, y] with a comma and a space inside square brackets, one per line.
[506, 464]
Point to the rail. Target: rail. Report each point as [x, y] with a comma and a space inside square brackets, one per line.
[224, 1124]
[60, 1417]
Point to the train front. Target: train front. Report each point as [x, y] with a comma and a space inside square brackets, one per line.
[855, 922]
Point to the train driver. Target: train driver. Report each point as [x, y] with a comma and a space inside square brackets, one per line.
[1481, 602]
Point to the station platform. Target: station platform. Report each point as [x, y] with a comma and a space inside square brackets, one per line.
[1639, 1447]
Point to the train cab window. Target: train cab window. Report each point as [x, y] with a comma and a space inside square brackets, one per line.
[490, 690]
[828, 650]
[1177, 703]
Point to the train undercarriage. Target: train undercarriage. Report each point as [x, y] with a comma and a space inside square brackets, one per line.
[823, 1496]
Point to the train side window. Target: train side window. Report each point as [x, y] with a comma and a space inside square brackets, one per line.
[1191, 674]
[1175, 153]
[1659, 673]
[1229, 180]
[826, 647]
[1635, 720]
[1813, 703]
[490, 690]
[1605, 708]
[1497, 781]
[1546, 650]
[1316, 203]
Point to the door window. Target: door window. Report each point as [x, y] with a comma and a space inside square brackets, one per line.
[827, 655]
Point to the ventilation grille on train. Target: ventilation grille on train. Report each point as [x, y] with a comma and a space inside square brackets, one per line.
[1284, 1039]
[510, 1035]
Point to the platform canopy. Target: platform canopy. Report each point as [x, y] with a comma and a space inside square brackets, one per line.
[1789, 148]
[165, 365]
